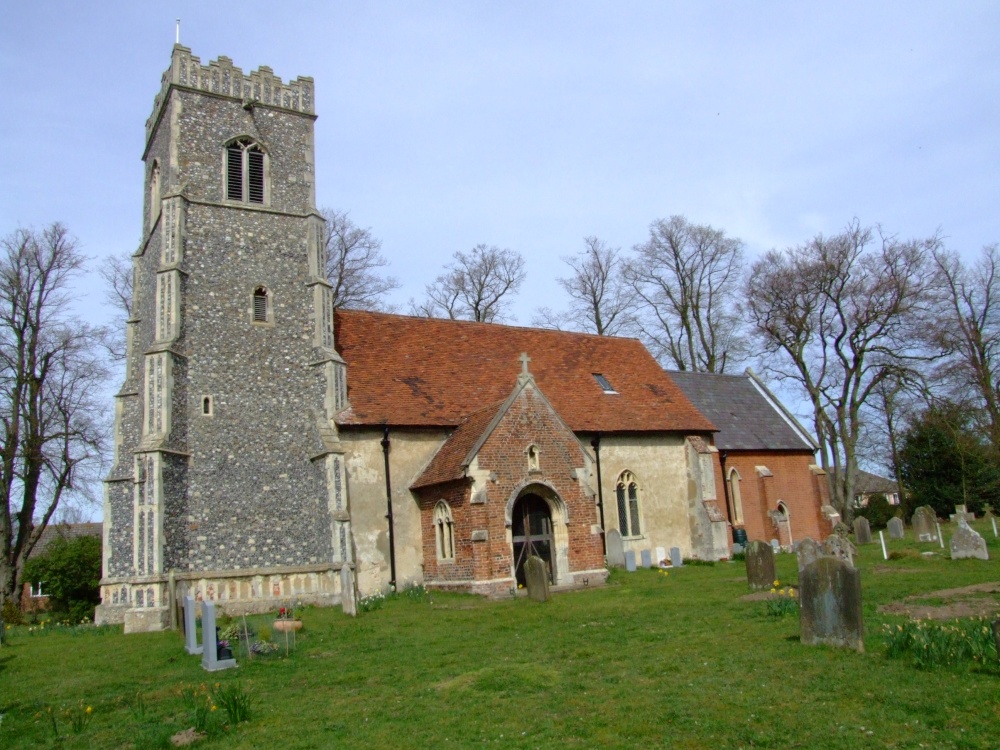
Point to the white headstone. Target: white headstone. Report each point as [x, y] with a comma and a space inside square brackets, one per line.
[191, 626]
[661, 555]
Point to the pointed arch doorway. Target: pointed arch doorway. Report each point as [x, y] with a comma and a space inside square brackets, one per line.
[531, 533]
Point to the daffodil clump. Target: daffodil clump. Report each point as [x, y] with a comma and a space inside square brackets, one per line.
[934, 644]
[783, 601]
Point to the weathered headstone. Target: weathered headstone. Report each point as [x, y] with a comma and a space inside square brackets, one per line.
[760, 565]
[775, 546]
[961, 512]
[862, 530]
[348, 591]
[830, 604]
[840, 548]
[675, 557]
[616, 552]
[646, 558]
[738, 548]
[807, 551]
[210, 660]
[841, 529]
[191, 626]
[536, 575]
[896, 530]
[630, 561]
[966, 542]
[661, 555]
[924, 523]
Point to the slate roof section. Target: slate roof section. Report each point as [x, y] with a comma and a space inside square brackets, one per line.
[408, 371]
[749, 416]
[448, 463]
[68, 531]
[866, 483]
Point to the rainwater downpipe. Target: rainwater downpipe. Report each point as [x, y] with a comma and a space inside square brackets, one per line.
[596, 445]
[388, 509]
[725, 489]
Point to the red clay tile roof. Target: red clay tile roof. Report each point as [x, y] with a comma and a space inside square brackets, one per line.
[407, 371]
[446, 466]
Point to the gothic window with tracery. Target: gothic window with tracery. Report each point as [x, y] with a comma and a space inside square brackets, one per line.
[627, 491]
[444, 531]
[245, 171]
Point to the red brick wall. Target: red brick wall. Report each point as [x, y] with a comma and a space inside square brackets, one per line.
[529, 421]
[793, 483]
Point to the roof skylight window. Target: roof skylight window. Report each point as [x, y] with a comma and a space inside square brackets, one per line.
[603, 382]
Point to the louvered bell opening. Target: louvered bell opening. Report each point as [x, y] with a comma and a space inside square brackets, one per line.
[234, 172]
[255, 159]
[260, 306]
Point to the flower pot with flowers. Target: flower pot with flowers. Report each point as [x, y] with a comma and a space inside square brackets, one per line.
[287, 622]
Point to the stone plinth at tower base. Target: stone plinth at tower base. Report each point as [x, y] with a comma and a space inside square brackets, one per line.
[830, 604]
[147, 619]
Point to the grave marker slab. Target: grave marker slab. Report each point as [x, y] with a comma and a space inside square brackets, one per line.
[646, 558]
[661, 555]
[675, 557]
[775, 546]
[191, 626]
[966, 542]
[616, 552]
[536, 575]
[961, 512]
[896, 530]
[760, 565]
[862, 530]
[808, 551]
[924, 523]
[348, 591]
[210, 660]
[630, 561]
[840, 548]
[830, 604]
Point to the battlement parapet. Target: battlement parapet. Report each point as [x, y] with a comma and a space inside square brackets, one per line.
[222, 78]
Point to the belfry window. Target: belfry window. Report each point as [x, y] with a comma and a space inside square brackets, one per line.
[627, 491]
[261, 305]
[245, 171]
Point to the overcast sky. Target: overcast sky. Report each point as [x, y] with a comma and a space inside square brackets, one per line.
[530, 125]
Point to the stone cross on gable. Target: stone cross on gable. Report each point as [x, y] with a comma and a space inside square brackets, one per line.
[525, 359]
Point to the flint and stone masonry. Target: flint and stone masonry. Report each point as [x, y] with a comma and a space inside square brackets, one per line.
[228, 469]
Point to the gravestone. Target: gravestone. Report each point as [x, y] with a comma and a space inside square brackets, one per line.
[830, 604]
[775, 546]
[961, 512]
[630, 561]
[966, 542]
[675, 557]
[896, 530]
[839, 547]
[348, 592]
[841, 529]
[737, 548]
[646, 558]
[536, 575]
[760, 565]
[616, 552]
[661, 556]
[924, 523]
[191, 626]
[210, 660]
[862, 530]
[808, 550]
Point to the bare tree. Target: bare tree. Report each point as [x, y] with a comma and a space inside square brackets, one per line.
[968, 330]
[838, 316]
[51, 419]
[477, 286]
[353, 263]
[687, 278]
[116, 271]
[601, 301]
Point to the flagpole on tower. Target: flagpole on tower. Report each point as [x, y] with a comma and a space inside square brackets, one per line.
[178, 35]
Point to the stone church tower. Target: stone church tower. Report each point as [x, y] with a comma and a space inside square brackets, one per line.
[228, 478]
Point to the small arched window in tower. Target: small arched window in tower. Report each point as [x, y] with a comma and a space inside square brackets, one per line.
[154, 194]
[206, 406]
[627, 491]
[245, 169]
[444, 531]
[261, 305]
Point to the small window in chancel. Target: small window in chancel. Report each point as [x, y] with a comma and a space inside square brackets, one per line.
[444, 531]
[627, 492]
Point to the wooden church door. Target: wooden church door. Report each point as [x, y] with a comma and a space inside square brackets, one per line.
[531, 529]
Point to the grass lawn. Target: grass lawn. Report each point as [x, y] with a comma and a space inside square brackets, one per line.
[649, 661]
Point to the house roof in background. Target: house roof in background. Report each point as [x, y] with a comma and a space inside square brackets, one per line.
[866, 483]
[409, 371]
[748, 416]
[65, 531]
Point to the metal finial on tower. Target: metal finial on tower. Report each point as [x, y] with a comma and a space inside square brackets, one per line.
[178, 35]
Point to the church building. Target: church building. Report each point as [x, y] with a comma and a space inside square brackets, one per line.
[265, 441]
